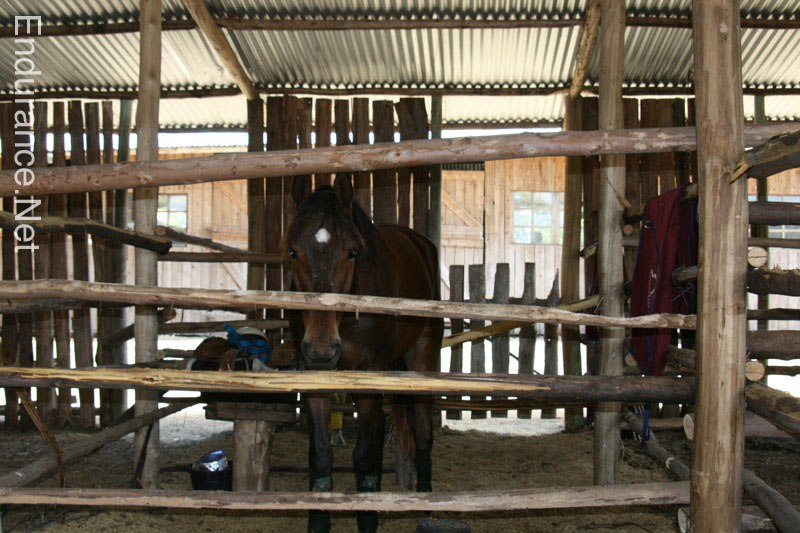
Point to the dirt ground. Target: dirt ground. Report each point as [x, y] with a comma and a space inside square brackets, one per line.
[462, 461]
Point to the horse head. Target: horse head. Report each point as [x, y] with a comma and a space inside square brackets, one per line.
[323, 248]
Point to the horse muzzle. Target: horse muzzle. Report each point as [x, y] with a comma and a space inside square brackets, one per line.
[317, 358]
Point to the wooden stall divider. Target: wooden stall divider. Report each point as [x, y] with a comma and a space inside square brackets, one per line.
[456, 326]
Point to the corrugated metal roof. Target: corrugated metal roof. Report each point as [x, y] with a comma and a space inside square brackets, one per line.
[386, 59]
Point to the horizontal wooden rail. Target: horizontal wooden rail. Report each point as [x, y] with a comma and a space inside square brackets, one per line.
[179, 236]
[83, 226]
[639, 494]
[223, 257]
[361, 157]
[502, 327]
[25, 291]
[572, 388]
[780, 408]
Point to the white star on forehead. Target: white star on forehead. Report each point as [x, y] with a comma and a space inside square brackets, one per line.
[322, 236]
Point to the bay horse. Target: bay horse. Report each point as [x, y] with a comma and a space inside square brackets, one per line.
[332, 246]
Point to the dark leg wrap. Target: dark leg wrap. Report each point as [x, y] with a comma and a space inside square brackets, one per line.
[422, 460]
[319, 521]
[367, 520]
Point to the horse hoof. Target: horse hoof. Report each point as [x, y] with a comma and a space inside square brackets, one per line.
[443, 526]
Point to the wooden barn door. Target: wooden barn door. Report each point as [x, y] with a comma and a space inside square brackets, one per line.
[462, 221]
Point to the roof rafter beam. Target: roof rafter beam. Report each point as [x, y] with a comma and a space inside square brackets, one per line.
[343, 24]
[203, 92]
[588, 39]
[221, 46]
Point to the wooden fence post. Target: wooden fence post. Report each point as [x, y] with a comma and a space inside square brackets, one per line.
[607, 441]
[289, 142]
[570, 257]
[45, 397]
[58, 264]
[716, 489]
[81, 321]
[145, 205]
[256, 202]
[274, 203]
[477, 294]
[551, 342]
[527, 333]
[500, 351]
[456, 326]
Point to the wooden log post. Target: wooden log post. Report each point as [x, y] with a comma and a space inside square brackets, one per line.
[45, 398]
[256, 203]
[477, 294]
[322, 128]
[551, 343]
[119, 271]
[607, 441]
[362, 181]
[762, 192]
[58, 264]
[78, 208]
[500, 343]
[99, 252]
[384, 182]
[435, 212]
[274, 206]
[630, 109]
[145, 203]
[456, 327]
[527, 333]
[289, 142]
[570, 259]
[722, 213]
[413, 123]
[405, 126]
[10, 339]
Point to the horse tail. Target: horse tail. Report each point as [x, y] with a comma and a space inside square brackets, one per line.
[405, 445]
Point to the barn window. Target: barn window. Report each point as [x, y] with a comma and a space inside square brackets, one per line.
[537, 217]
[173, 211]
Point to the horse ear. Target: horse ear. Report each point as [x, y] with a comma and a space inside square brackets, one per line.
[344, 188]
[301, 189]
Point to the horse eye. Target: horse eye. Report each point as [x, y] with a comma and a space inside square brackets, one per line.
[352, 254]
[292, 254]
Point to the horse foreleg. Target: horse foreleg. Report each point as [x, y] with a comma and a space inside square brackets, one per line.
[320, 456]
[368, 454]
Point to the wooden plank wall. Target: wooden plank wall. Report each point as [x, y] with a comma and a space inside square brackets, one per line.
[502, 177]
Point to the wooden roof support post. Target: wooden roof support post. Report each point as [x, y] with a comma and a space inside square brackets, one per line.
[723, 218]
[221, 45]
[435, 213]
[145, 204]
[256, 203]
[607, 442]
[570, 258]
[763, 196]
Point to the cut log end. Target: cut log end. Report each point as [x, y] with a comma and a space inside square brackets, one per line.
[757, 257]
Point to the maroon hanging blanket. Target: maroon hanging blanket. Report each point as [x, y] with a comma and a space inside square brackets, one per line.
[668, 241]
